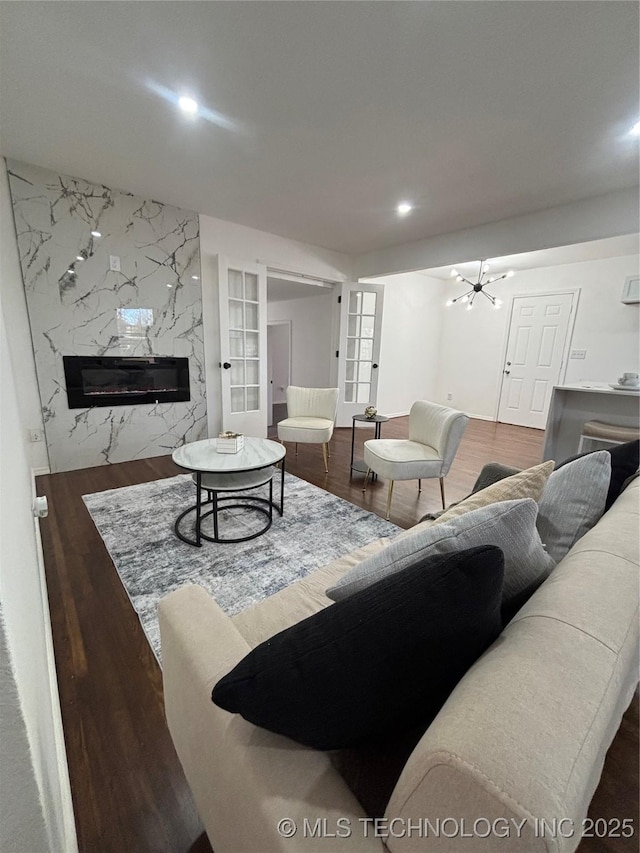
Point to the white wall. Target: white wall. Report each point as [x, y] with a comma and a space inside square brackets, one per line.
[239, 243]
[18, 330]
[42, 769]
[473, 343]
[311, 319]
[410, 341]
[22, 824]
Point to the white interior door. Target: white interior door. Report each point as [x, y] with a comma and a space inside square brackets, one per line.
[536, 351]
[359, 349]
[242, 296]
[278, 363]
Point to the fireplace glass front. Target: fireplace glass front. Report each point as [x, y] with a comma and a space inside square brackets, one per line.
[125, 381]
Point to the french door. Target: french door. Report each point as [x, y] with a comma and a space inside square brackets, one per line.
[242, 300]
[359, 348]
[536, 351]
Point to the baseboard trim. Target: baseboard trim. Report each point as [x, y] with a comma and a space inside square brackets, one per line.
[65, 837]
[482, 418]
[396, 414]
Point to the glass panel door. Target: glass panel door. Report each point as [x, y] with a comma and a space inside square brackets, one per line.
[361, 320]
[244, 341]
[242, 301]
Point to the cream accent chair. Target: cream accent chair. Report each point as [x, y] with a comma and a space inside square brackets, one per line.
[434, 436]
[311, 417]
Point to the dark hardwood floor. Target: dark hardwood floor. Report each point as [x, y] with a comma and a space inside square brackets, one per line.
[128, 788]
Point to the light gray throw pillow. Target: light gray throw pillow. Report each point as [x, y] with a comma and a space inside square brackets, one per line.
[572, 501]
[511, 525]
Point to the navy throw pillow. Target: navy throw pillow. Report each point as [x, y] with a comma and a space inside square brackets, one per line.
[380, 661]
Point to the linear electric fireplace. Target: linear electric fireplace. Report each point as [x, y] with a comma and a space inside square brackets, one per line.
[120, 381]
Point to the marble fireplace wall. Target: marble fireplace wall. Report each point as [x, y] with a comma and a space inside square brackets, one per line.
[78, 306]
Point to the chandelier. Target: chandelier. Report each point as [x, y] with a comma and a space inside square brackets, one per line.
[483, 279]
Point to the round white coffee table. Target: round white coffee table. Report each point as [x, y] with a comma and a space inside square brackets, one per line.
[222, 476]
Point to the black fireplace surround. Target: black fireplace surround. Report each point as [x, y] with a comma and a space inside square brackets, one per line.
[125, 381]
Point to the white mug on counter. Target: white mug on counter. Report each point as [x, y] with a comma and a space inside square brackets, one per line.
[630, 379]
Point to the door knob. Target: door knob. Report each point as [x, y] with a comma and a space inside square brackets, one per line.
[226, 365]
[374, 366]
[507, 372]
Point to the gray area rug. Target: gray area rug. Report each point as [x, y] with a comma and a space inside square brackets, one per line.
[136, 524]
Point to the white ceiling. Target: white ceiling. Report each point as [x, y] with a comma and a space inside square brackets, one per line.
[324, 115]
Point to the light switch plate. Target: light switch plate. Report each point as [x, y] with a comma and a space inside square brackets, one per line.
[578, 353]
[114, 263]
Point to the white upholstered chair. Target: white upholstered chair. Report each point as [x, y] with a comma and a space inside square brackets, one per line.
[434, 436]
[311, 417]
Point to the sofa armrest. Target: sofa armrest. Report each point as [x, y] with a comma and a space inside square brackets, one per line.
[244, 779]
[523, 736]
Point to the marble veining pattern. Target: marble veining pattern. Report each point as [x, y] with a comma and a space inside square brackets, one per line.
[73, 299]
[203, 456]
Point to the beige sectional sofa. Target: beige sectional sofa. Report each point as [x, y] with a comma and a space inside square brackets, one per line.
[521, 740]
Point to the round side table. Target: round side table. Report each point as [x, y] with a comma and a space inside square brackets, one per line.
[377, 421]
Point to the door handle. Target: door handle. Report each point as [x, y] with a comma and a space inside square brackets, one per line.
[226, 365]
[374, 366]
[507, 372]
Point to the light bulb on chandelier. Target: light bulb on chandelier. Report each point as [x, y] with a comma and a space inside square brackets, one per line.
[482, 280]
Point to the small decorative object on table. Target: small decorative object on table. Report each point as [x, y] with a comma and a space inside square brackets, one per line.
[229, 442]
[632, 380]
[370, 412]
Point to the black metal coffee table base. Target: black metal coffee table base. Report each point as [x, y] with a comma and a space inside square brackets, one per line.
[217, 503]
[218, 488]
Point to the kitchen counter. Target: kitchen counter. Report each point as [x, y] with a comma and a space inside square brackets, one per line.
[572, 405]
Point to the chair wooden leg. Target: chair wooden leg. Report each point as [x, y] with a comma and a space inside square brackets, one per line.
[419, 486]
[442, 492]
[366, 477]
[389, 495]
[329, 449]
[324, 455]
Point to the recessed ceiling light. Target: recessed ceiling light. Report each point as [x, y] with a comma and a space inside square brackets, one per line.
[404, 207]
[71, 272]
[96, 234]
[169, 285]
[635, 130]
[79, 258]
[188, 105]
[195, 277]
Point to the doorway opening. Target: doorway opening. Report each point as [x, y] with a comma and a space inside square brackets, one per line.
[300, 319]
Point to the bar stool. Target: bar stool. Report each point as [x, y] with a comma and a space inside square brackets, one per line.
[608, 433]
